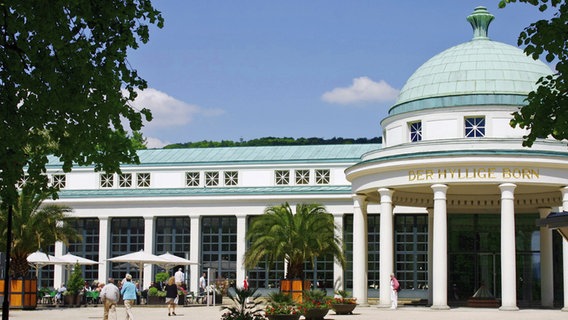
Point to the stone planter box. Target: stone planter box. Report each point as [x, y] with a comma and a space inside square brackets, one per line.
[315, 314]
[156, 300]
[343, 308]
[283, 316]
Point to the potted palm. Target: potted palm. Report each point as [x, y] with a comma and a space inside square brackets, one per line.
[244, 306]
[281, 306]
[315, 304]
[342, 303]
[279, 234]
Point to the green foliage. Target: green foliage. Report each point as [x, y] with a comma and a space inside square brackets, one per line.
[138, 141]
[272, 141]
[545, 113]
[280, 303]
[314, 299]
[244, 306]
[279, 234]
[66, 86]
[35, 227]
[162, 276]
[153, 291]
[76, 281]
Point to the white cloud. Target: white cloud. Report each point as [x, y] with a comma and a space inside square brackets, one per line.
[152, 142]
[169, 116]
[362, 90]
[168, 111]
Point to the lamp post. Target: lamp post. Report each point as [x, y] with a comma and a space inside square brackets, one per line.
[6, 302]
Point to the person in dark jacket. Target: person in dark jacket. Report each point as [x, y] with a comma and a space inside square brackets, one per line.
[171, 296]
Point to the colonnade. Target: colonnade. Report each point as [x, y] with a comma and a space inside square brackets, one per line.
[438, 252]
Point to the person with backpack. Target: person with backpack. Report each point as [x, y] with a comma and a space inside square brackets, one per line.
[395, 288]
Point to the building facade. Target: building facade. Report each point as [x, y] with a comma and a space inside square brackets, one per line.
[448, 202]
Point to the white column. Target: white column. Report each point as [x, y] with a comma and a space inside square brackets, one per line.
[338, 281]
[565, 251]
[440, 250]
[194, 246]
[241, 248]
[148, 247]
[508, 253]
[386, 241]
[360, 250]
[59, 270]
[546, 269]
[430, 253]
[104, 240]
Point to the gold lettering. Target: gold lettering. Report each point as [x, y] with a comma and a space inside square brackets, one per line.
[429, 174]
[491, 172]
[411, 175]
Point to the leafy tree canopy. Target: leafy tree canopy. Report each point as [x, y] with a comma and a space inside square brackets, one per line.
[546, 111]
[66, 85]
[272, 141]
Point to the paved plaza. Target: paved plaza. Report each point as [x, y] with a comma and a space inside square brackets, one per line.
[360, 313]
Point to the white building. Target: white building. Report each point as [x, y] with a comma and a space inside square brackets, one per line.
[448, 202]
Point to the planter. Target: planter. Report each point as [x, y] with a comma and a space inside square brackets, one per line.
[156, 300]
[181, 299]
[23, 293]
[315, 314]
[295, 287]
[72, 300]
[283, 316]
[343, 308]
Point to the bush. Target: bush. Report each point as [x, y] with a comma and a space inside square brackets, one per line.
[162, 277]
[153, 291]
[76, 281]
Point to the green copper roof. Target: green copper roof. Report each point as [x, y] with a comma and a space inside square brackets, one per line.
[249, 155]
[477, 67]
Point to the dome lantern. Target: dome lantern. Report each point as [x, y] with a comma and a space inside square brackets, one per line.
[480, 20]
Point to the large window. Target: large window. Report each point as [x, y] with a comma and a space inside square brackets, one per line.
[127, 236]
[411, 234]
[88, 247]
[173, 236]
[474, 127]
[219, 245]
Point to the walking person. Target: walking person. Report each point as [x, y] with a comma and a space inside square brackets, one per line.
[180, 277]
[202, 287]
[171, 296]
[395, 286]
[128, 292]
[110, 294]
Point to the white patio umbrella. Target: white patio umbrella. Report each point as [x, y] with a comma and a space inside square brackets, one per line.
[139, 259]
[173, 260]
[71, 259]
[38, 260]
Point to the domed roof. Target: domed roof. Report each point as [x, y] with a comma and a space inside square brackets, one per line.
[480, 71]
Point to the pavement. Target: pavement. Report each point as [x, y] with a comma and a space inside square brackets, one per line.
[198, 312]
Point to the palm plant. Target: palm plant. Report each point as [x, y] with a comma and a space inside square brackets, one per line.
[34, 227]
[245, 306]
[280, 235]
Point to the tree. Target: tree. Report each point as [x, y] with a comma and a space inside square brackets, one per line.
[546, 112]
[36, 227]
[280, 235]
[66, 88]
[66, 85]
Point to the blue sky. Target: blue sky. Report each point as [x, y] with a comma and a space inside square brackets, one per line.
[231, 70]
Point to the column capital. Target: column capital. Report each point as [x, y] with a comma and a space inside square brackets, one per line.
[507, 190]
[104, 218]
[360, 199]
[386, 194]
[149, 217]
[241, 215]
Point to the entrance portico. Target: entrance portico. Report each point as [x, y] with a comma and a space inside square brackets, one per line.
[479, 184]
